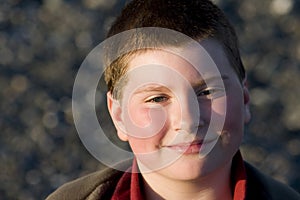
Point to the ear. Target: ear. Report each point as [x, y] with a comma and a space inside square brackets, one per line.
[247, 114]
[115, 111]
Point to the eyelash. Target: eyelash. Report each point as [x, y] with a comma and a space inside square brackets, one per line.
[157, 99]
[206, 92]
[212, 93]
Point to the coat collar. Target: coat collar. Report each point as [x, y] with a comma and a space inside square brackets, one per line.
[130, 184]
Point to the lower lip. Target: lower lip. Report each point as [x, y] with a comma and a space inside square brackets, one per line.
[187, 149]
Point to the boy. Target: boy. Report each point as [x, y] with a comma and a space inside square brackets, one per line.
[181, 105]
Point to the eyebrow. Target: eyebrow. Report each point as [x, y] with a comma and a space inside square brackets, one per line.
[160, 88]
[203, 82]
[151, 88]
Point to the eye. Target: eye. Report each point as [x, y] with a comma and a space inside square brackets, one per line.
[211, 93]
[206, 92]
[158, 99]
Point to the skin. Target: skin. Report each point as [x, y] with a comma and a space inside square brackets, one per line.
[165, 113]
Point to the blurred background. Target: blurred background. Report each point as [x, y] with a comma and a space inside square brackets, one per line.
[42, 45]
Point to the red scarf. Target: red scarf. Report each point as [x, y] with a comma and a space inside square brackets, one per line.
[128, 186]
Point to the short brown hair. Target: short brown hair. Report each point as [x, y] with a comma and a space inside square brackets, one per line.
[198, 19]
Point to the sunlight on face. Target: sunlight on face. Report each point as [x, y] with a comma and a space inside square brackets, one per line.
[168, 106]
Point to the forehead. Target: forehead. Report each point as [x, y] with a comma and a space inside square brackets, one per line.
[206, 59]
[159, 62]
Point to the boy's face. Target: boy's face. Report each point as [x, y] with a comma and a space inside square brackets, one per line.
[181, 123]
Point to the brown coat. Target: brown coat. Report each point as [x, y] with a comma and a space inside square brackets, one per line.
[101, 185]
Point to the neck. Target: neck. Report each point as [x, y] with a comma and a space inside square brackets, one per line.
[216, 185]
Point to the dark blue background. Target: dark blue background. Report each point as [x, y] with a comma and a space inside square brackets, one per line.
[42, 45]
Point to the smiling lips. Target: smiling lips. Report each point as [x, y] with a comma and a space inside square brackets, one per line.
[187, 148]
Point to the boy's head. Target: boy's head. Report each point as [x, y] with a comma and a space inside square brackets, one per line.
[173, 100]
[198, 19]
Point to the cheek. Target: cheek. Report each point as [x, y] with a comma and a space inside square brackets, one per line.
[146, 144]
[228, 119]
[146, 127]
[144, 122]
[139, 145]
[234, 122]
[139, 115]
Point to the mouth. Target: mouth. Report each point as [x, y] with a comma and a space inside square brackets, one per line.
[187, 147]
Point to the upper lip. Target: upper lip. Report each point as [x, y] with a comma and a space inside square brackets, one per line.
[186, 143]
[189, 143]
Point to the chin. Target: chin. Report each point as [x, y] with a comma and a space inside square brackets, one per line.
[185, 169]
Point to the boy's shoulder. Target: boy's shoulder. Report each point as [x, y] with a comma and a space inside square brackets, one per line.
[262, 186]
[101, 185]
[94, 186]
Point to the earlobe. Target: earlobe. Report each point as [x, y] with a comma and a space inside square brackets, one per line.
[115, 111]
[247, 113]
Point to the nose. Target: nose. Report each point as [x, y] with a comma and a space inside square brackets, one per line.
[186, 113]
